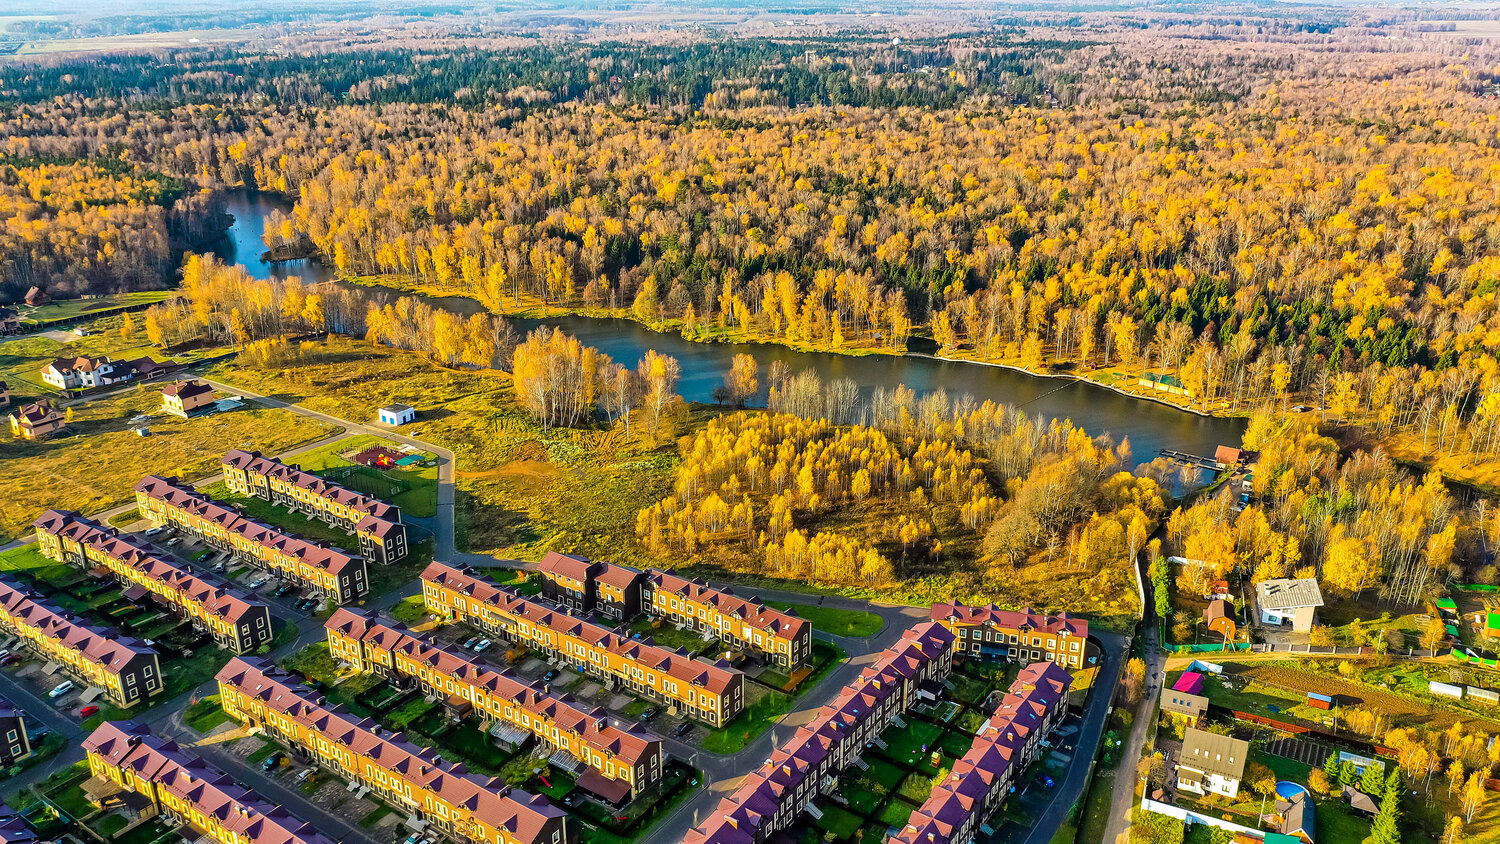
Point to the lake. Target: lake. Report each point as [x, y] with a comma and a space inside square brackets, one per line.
[1150, 426]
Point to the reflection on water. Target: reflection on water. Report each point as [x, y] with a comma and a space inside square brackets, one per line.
[1150, 426]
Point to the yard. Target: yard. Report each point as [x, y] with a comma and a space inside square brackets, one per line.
[852, 624]
[264, 511]
[62, 309]
[418, 499]
[759, 714]
[96, 467]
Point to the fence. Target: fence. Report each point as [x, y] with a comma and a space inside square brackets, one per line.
[368, 481]
[1209, 649]
[1191, 817]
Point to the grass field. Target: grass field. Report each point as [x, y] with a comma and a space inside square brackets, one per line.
[419, 500]
[71, 308]
[262, 510]
[854, 624]
[98, 465]
[757, 717]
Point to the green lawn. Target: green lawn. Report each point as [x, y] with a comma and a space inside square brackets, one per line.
[854, 624]
[895, 813]
[907, 743]
[409, 610]
[27, 557]
[204, 715]
[668, 636]
[267, 747]
[314, 663]
[419, 499]
[374, 816]
[758, 716]
[297, 523]
[841, 823]
[125, 519]
[70, 308]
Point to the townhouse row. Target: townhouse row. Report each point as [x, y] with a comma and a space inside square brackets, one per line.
[461, 805]
[126, 669]
[184, 788]
[377, 524]
[713, 693]
[237, 622]
[959, 806]
[615, 763]
[808, 765]
[991, 633]
[327, 571]
[620, 593]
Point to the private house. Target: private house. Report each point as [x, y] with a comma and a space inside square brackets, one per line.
[1192, 708]
[769, 800]
[1025, 636]
[36, 297]
[617, 592]
[4, 394]
[126, 669]
[15, 744]
[397, 414]
[182, 398]
[80, 373]
[1361, 802]
[1285, 602]
[610, 762]
[1211, 763]
[382, 536]
[1219, 618]
[441, 796]
[981, 781]
[781, 638]
[182, 787]
[237, 622]
[10, 321]
[14, 829]
[326, 571]
[1294, 816]
[713, 693]
[611, 591]
[36, 421]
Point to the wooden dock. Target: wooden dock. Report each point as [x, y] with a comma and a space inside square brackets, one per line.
[1190, 459]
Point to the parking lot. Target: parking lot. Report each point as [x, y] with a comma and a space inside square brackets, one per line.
[211, 564]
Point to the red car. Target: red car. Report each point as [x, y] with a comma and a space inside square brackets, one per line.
[87, 711]
[10, 659]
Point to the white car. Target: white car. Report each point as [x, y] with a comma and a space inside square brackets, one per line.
[414, 838]
[62, 688]
[484, 645]
[156, 531]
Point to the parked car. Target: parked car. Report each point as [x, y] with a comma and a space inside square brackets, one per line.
[283, 589]
[272, 761]
[307, 604]
[414, 838]
[683, 729]
[156, 531]
[219, 566]
[303, 774]
[88, 710]
[10, 659]
[550, 675]
[174, 540]
[1048, 781]
[61, 689]
[484, 645]
[4, 652]
[469, 645]
[650, 713]
[259, 582]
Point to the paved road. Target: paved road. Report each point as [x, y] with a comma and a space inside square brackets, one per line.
[1123, 801]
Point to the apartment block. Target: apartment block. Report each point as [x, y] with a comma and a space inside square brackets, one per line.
[808, 765]
[15, 744]
[183, 787]
[613, 762]
[713, 693]
[461, 805]
[781, 638]
[236, 621]
[327, 571]
[979, 783]
[377, 524]
[127, 670]
[992, 633]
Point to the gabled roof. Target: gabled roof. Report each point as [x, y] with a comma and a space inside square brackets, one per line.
[187, 389]
[36, 413]
[253, 463]
[1288, 594]
[101, 645]
[1214, 754]
[749, 610]
[1026, 620]
[567, 565]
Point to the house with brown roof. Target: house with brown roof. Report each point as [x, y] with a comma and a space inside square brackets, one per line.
[80, 373]
[781, 638]
[414, 780]
[36, 296]
[15, 744]
[329, 572]
[992, 633]
[36, 421]
[125, 668]
[127, 756]
[711, 692]
[1219, 618]
[568, 581]
[184, 397]
[609, 761]
[1007, 744]
[771, 798]
[236, 621]
[376, 523]
[1211, 763]
[10, 321]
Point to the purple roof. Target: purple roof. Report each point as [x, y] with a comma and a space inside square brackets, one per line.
[1190, 682]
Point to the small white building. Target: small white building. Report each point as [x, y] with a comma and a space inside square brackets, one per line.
[1286, 602]
[397, 414]
[1211, 763]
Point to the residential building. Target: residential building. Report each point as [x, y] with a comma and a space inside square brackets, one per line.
[413, 779]
[80, 373]
[981, 781]
[1187, 705]
[36, 296]
[397, 414]
[185, 397]
[10, 321]
[1211, 763]
[713, 693]
[126, 669]
[1285, 602]
[329, 572]
[4, 394]
[614, 763]
[183, 787]
[1361, 802]
[1025, 636]
[382, 536]
[1295, 816]
[781, 638]
[1219, 618]
[237, 622]
[36, 421]
[15, 744]
[617, 592]
[611, 591]
[14, 829]
[808, 765]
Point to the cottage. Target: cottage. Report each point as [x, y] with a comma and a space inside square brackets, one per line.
[1289, 603]
[36, 421]
[1361, 802]
[10, 321]
[397, 414]
[1211, 763]
[1192, 707]
[1219, 618]
[37, 296]
[80, 373]
[1294, 816]
[185, 397]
